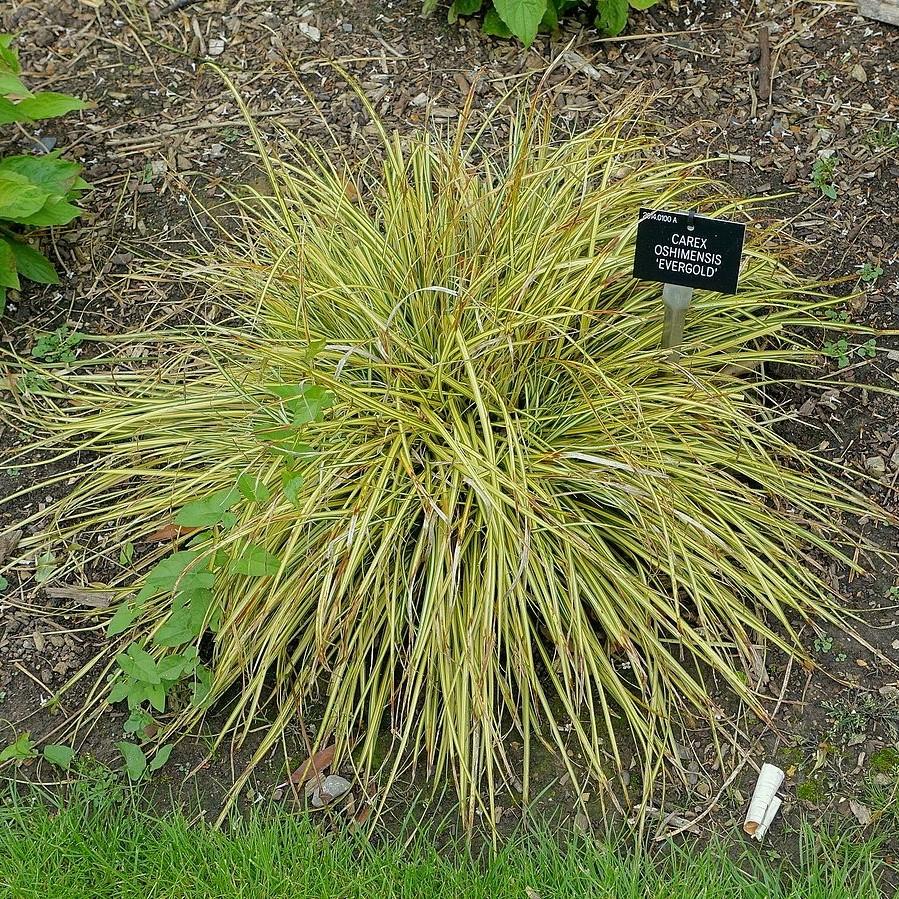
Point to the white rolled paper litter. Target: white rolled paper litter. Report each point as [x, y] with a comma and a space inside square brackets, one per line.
[770, 812]
[770, 779]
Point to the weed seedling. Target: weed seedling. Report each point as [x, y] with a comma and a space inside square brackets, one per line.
[57, 346]
[870, 273]
[822, 175]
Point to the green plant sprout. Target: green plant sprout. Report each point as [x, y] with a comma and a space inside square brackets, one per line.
[823, 170]
[869, 273]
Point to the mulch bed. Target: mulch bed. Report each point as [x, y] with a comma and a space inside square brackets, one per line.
[771, 87]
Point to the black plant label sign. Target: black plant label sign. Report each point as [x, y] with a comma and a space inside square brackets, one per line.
[689, 250]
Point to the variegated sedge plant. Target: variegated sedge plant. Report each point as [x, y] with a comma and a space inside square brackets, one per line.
[434, 477]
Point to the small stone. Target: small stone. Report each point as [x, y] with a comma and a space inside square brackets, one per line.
[347, 27]
[158, 167]
[420, 100]
[858, 73]
[310, 31]
[875, 466]
[216, 46]
[332, 787]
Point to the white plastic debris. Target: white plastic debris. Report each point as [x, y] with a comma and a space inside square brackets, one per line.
[764, 798]
[770, 812]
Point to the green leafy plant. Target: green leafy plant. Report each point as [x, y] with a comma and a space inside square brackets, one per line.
[57, 346]
[19, 750]
[869, 273]
[823, 170]
[840, 350]
[437, 476]
[59, 755]
[35, 191]
[524, 18]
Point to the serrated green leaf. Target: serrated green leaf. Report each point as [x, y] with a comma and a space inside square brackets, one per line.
[522, 17]
[59, 755]
[32, 264]
[122, 619]
[167, 573]
[135, 760]
[252, 488]
[8, 275]
[161, 757]
[255, 561]
[611, 16]
[48, 105]
[19, 198]
[206, 512]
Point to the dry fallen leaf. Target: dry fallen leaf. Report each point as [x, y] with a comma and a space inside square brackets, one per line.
[861, 811]
[168, 532]
[314, 765]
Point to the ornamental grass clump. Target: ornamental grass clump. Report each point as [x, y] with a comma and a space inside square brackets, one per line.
[434, 478]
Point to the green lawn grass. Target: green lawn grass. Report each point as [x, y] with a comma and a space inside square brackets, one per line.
[87, 847]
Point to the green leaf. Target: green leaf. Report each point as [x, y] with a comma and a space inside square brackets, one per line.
[255, 561]
[4, 584]
[126, 554]
[135, 760]
[305, 402]
[9, 112]
[54, 212]
[8, 275]
[10, 84]
[59, 755]
[292, 483]
[642, 4]
[19, 198]
[161, 757]
[463, 8]
[202, 686]
[611, 16]
[48, 105]
[32, 264]
[155, 693]
[253, 489]
[9, 57]
[46, 565]
[122, 620]
[167, 573]
[204, 513]
[522, 16]
[428, 7]
[550, 20]
[138, 663]
[829, 191]
[57, 176]
[2, 300]
[185, 622]
[494, 25]
[19, 750]
[138, 722]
